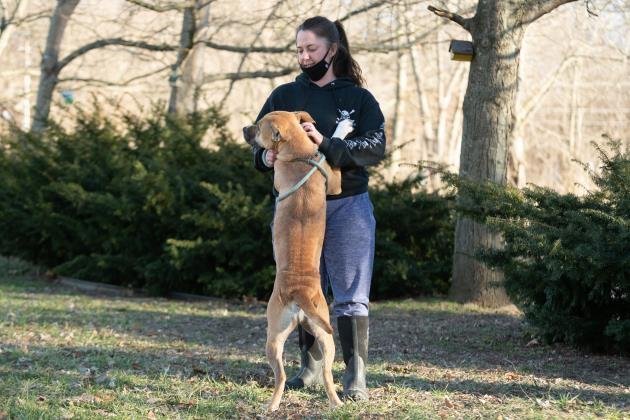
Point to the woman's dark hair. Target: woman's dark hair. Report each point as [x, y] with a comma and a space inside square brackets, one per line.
[333, 32]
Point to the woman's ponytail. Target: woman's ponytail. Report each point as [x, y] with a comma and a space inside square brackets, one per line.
[344, 64]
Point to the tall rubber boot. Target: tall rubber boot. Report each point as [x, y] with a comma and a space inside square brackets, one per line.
[312, 361]
[354, 337]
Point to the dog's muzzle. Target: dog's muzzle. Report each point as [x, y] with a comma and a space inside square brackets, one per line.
[249, 133]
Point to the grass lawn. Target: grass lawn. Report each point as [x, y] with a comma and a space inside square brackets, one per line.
[70, 354]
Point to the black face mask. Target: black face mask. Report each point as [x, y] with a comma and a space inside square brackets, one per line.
[317, 71]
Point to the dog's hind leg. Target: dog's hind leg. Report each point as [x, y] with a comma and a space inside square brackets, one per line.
[281, 320]
[327, 344]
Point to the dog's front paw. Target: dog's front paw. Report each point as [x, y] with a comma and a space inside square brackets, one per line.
[272, 407]
[336, 404]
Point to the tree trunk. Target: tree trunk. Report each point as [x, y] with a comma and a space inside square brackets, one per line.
[425, 116]
[517, 175]
[488, 123]
[26, 85]
[575, 119]
[7, 28]
[187, 35]
[398, 123]
[193, 67]
[187, 73]
[50, 59]
[454, 145]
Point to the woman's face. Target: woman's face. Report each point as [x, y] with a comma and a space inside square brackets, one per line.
[311, 48]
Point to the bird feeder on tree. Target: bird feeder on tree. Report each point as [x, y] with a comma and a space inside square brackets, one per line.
[461, 50]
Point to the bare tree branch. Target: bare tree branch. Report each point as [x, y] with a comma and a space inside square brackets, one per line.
[363, 9]
[589, 9]
[31, 18]
[3, 18]
[201, 5]
[534, 101]
[248, 75]
[288, 48]
[113, 41]
[242, 49]
[110, 83]
[378, 48]
[256, 38]
[358, 48]
[179, 6]
[463, 22]
[536, 8]
[167, 8]
[10, 20]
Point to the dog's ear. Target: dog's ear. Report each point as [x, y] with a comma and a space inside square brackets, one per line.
[303, 116]
[276, 136]
[272, 128]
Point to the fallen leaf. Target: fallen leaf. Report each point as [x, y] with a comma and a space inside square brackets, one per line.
[185, 404]
[84, 399]
[485, 399]
[512, 376]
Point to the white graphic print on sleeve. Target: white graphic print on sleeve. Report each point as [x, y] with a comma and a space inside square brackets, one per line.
[370, 140]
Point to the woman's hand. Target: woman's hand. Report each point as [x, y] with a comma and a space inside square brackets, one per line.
[315, 136]
[270, 157]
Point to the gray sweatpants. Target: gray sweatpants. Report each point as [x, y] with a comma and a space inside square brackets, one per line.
[348, 254]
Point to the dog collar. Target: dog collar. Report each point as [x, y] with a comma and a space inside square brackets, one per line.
[317, 165]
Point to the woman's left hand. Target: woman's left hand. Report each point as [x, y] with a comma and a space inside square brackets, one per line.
[315, 136]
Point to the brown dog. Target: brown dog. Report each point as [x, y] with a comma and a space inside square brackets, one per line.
[298, 235]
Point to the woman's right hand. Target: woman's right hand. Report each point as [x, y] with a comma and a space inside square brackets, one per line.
[270, 157]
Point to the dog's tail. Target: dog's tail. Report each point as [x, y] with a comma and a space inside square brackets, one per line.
[310, 308]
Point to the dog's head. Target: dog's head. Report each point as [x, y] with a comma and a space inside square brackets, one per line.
[279, 128]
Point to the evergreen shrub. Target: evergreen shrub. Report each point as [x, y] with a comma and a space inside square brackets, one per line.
[145, 204]
[566, 258]
[142, 205]
[414, 239]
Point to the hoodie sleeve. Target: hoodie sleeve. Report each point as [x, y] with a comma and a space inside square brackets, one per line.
[258, 151]
[367, 147]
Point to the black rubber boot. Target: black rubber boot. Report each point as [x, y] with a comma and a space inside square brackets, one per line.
[354, 337]
[312, 362]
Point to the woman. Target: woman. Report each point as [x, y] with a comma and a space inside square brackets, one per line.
[330, 90]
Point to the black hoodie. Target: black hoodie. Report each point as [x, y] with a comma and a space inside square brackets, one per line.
[338, 100]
